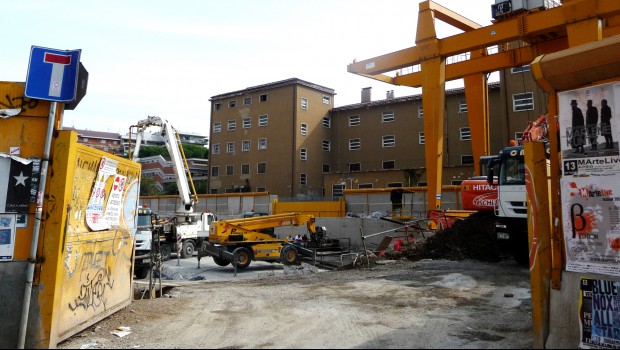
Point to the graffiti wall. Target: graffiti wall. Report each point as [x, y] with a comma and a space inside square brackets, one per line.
[97, 219]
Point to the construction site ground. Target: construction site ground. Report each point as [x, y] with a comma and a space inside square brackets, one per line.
[392, 304]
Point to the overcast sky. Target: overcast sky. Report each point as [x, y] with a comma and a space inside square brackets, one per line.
[167, 58]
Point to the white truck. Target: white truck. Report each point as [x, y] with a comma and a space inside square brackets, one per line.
[180, 232]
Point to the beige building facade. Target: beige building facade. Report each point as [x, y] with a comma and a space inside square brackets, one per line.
[311, 150]
[269, 138]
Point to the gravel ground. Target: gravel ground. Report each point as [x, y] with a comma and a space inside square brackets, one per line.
[394, 304]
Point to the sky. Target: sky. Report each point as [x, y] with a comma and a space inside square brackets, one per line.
[168, 58]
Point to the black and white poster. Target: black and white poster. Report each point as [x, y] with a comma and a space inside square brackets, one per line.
[599, 314]
[590, 130]
[15, 184]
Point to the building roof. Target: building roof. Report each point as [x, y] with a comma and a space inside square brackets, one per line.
[389, 101]
[95, 134]
[277, 84]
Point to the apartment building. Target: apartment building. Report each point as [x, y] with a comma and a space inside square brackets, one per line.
[371, 144]
[105, 141]
[270, 138]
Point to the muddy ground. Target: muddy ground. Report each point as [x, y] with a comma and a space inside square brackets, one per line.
[397, 304]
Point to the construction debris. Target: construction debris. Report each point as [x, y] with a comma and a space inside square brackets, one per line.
[470, 238]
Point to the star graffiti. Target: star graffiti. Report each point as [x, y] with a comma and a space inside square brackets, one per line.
[21, 179]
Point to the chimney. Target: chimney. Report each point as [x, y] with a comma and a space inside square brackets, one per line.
[389, 94]
[366, 94]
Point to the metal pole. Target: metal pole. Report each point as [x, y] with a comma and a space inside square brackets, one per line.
[364, 244]
[32, 260]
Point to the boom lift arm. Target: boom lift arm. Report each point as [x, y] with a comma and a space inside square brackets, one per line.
[253, 229]
[177, 156]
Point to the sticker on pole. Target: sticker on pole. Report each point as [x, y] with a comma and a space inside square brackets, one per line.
[52, 74]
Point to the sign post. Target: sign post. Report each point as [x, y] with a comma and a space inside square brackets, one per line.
[52, 74]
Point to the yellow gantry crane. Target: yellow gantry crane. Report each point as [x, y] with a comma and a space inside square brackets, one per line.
[540, 32]
[577, 31]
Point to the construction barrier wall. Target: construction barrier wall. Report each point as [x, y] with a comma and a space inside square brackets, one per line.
[87, 241]
[224, 206]
[22, 135]
[318, 209]
[413, 201]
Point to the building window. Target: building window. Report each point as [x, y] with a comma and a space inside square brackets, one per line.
[214, 191]
[263, 98]
[304, 129]
[232, 125]
[327, 145]
[523, 102]
[303, 154]
[462, 106]
[465, 134]
[361, 186]
[247, 122]
[338, 190]
[230, 147]
[394, 184]
[304, 103]
[327, 122]
[387, 116]
[521, 69]
[355, 167]
[217, 127]
[389, 141]
[467, 160]
[247, 101]
[389, 164]
[216, 148]
[215, 171]
[245, 169]
[421, 138]
[327, 100]
[263, 120]
[456, 182]
[303, 179]
[262, 144]
[422, 184]
[354, 120]
[261, 168]
[218, 106]
[245, 145]
[230, 170]
[326, 168]
[420, 112]
[355, 144]
[261, 189]
[232, 104]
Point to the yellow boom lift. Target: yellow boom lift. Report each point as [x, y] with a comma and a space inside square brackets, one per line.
[241, 241]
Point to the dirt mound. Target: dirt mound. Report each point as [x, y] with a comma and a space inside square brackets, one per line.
[470, 238]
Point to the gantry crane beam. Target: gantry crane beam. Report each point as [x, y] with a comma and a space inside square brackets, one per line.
[533, 27]
[551, 30]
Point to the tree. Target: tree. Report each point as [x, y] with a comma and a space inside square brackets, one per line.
[149, 151]
[148, 186]
[195, 151]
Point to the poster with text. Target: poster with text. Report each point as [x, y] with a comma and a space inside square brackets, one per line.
[95, 210]
[591, 222]
[7, 237]
[599, 314]
[589, 120]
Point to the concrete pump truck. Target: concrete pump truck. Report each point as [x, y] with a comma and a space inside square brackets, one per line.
[179, 233]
